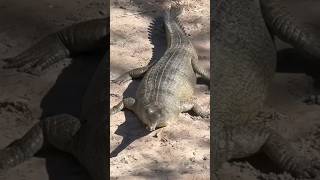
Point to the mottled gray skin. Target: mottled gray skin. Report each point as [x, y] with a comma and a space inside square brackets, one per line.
[84, 138]
[167, 87]
[243, 65]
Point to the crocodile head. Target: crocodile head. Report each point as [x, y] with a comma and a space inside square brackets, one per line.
[155, 115]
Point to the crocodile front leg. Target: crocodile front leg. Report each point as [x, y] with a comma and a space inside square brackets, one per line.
[128, 103]
[83, 37]
[246, 140]
[200, 70]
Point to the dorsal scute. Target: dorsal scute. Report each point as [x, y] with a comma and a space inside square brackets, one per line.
[173, 14]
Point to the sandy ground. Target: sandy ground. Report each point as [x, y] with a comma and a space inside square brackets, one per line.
[25, 98]
[181, 150]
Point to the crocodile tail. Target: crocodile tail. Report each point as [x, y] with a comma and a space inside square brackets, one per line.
[22, 149]
[172, 14]
[288, 28]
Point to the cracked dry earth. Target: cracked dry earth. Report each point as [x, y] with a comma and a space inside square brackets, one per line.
[181, 150]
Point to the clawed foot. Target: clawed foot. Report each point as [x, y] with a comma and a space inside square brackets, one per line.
[200, 111]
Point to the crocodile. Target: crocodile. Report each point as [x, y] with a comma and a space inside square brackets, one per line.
[84, 137]
[167, 87]
[244, 62]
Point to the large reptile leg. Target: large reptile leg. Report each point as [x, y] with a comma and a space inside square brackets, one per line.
[83, 37]
[60, 131]
[22, 149]
[125, 103]
[243, 141]
[195, 108]
[200, 70]
[57, 130]
[132, 74]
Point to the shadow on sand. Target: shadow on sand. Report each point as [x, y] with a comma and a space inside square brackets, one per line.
[132, 129]
[66, 97]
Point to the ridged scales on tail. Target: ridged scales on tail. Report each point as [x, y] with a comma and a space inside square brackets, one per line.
[84, 138]
[167, 87]
[244, 62]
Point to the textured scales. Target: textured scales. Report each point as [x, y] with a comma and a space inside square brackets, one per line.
[167, 87]
[84, 138]
[243, 66]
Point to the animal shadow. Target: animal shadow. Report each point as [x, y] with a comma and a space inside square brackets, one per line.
[66, 97]
[132, 129]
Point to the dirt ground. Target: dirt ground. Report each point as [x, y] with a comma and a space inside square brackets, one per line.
[181, 150]
[25, 98]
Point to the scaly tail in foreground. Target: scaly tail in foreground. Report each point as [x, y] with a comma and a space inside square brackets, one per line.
[21, 149]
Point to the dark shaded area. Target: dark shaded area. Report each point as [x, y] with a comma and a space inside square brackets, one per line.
[63, 166]
[262, 162]
[132, 129]
[66, 97]
[66, 94]
[291, 60]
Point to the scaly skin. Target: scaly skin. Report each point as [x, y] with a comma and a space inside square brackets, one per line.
[244, 59]
[167, 87]
[84, 138]
[69, 41]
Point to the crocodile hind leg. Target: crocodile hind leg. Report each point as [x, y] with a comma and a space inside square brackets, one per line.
[132, 74]
[83, 37]
[195, 108]
[22, 149]
[246, 140]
